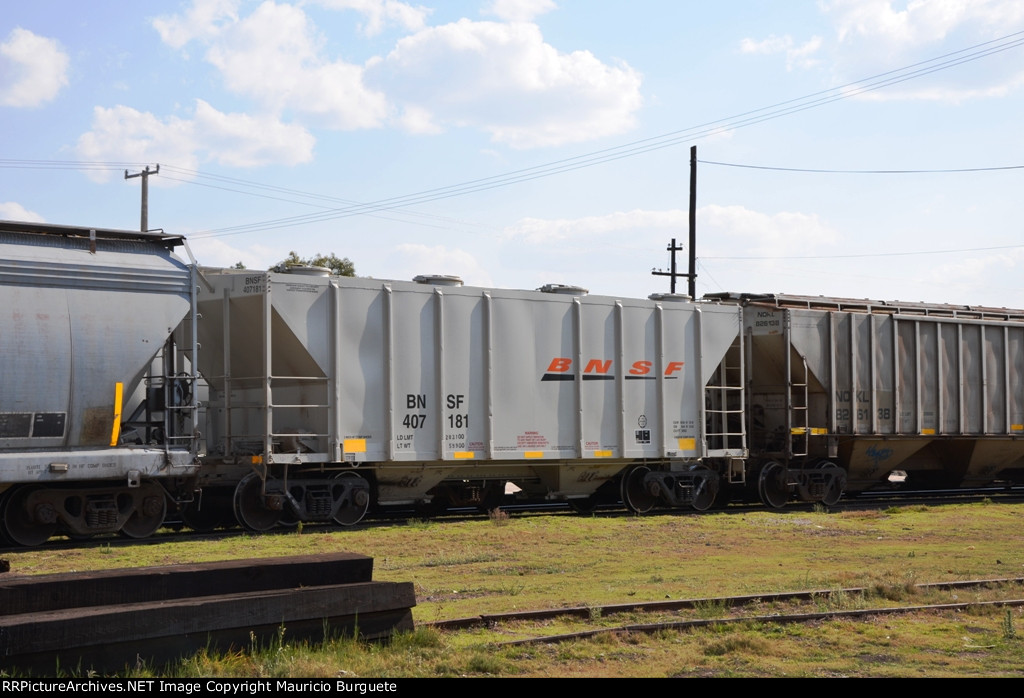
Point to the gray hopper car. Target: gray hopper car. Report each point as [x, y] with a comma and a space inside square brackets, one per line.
[329, 394]
[97, 404]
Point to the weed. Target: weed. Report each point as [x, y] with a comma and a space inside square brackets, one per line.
[710, 608]
[736, 642]
[105, 549]
[594, 613]
[1009, 632]
[485, 664]
[298, 527]
[419, 638]
[498, 517]
[511, 589]
[820, 508]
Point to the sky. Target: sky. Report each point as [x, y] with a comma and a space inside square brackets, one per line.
[516, 143]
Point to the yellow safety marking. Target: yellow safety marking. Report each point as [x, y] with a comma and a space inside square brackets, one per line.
[533, 454]
[1017, 427]
[115, 432]
[928, 432]
[813, 431]
[255, 460]
[354, 446]
[687, 444]
[464, 454]
[602, 454]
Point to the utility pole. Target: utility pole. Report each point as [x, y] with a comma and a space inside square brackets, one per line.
[693, 222]
[145, 192]
[672, 273]
[673, 248]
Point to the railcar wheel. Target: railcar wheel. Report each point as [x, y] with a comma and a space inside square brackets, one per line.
[147, 518]
[836, 483]
[706, 491]
[250, 510]
[771, 485]
[583, 505]
[355, 499]
[22, 527]
[635, 494]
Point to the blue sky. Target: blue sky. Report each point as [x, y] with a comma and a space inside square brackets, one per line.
[273, 121]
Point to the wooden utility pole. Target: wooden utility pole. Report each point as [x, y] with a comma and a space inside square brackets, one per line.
[145, 192]
[672, 273]
[673, 248]
[693, 222]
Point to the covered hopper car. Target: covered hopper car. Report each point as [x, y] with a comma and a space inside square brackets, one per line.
[97, 406]
[132, 382]
[931, 395]
[329, 394]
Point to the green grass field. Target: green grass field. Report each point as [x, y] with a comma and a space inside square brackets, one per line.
[465, 568]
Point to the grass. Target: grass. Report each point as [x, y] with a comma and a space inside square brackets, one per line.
[466, 568]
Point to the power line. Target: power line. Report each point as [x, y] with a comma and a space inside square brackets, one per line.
[871, 254]
[817, 171]
[666, 140]
[631, 149]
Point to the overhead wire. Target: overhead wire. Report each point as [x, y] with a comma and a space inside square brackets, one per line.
[631, 149]
[749, 118]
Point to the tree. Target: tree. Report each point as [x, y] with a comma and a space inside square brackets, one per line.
[339, 266]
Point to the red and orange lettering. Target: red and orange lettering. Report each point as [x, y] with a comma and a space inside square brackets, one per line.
[559, 365]
[640, 368]
[598, 366]
[672, 367]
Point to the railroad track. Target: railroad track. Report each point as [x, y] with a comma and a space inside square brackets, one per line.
[175, 531]
[793, 599]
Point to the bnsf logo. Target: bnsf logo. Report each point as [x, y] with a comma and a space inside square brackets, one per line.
[560, 369]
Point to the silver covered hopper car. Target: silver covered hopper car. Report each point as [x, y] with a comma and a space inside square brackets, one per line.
[331, 394]
[97, 411]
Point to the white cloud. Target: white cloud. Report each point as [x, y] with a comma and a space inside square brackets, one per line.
[920, 21]
[970, 277]
[501, 78]
[381, 13]
[799, 56]
[539, 231]
[216, 252]
[240, 140]
[203, 20]
[953, 94]
[518, 10]
[877, 35]
[415, 259]
[33, 69]
[274, 56]
[11, 211]
[125, 134]
[728, 228]
[505, 80]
